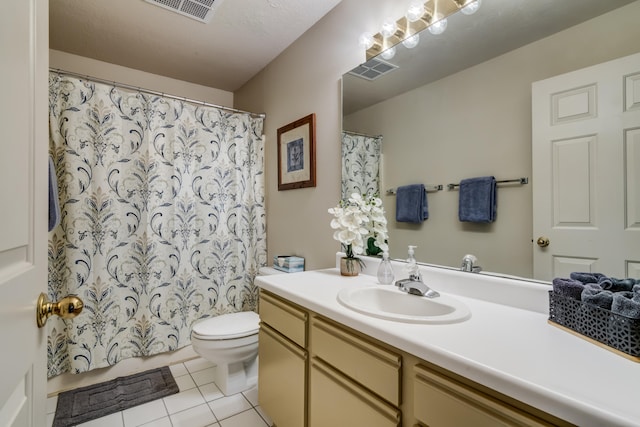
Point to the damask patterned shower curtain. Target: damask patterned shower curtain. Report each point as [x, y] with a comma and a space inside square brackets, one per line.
[360, 164]
[163, 220]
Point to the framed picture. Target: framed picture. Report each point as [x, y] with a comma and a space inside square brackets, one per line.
[297, 154]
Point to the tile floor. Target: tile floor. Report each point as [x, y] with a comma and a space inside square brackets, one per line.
[198, 404]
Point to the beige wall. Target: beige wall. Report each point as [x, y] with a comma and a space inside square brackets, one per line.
[106, 71]
[306, 79]
[478, 122]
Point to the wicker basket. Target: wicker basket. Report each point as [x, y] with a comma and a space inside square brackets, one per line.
[618, 333]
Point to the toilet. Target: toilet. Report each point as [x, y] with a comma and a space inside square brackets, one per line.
[231, 342]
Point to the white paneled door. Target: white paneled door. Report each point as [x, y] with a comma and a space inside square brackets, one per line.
[23, 215]
[586, 165]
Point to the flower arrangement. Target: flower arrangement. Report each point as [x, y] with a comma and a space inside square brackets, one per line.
[357, 220]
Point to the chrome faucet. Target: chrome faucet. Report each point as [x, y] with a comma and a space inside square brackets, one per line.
[469, 264]
[415, 286]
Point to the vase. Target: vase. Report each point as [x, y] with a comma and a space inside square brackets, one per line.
[349, 266]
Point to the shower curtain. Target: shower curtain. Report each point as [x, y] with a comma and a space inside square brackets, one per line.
[360, 164]
[162, 220]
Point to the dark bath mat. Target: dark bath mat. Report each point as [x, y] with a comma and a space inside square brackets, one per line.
[95, 401]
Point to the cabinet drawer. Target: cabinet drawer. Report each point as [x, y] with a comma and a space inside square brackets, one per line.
[290, 321]
[282, 375]
[374, 367]
[334, 400]
[440, 401]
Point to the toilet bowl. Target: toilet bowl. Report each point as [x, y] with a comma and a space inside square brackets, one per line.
[231, 342]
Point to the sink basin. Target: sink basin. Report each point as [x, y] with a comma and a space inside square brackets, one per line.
[392, 304]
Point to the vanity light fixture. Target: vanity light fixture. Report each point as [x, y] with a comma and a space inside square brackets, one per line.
[438, 26]
[415, 12]
[432, 14]
[411, 41]
[389, 28]
[471, 7]
[366, 40]
[389, 53]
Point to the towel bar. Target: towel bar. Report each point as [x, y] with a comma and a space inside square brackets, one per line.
[521, 181]
[429, 188]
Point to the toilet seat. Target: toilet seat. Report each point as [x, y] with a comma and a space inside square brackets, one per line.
[227, 326]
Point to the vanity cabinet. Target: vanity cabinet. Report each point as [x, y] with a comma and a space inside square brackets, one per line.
[282, 361]
[358, 379]
[442, 401]
[316, 372]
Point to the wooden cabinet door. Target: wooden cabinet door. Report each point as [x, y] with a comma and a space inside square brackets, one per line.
[335, 400]
[282, 375]
[443, 402]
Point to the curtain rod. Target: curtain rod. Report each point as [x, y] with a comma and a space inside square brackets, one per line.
[153, 92]
[361, 134]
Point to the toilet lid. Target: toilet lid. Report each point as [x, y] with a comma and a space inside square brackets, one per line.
[228, 326]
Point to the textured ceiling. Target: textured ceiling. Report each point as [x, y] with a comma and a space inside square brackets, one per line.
[241, 39]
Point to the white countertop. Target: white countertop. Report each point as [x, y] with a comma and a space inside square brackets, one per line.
[507, 346]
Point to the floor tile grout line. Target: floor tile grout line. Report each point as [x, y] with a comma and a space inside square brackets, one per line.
[188, 409]
[217, 421]
[263, 419]
[167, 411]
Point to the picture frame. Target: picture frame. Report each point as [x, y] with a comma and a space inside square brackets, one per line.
[297, 154]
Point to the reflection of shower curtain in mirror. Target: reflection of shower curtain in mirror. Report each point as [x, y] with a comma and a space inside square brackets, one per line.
[163, 220]
[360, 164]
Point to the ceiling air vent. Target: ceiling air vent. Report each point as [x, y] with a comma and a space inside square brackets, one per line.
[373, 69]
[200, 10]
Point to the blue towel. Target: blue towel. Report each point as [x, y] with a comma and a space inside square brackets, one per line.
[617, 285]
[411, 204]
[594, 294]
[477, 200]
[587, 277]
[54, 203]
[568, 287]
[627, 304]
[608, 283]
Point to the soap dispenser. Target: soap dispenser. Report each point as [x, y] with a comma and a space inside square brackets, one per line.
[412, 265]
[385, 271]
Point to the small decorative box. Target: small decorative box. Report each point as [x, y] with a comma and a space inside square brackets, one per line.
[288, 263]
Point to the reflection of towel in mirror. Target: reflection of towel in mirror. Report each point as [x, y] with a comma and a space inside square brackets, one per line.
[411, 204]
[477, 199]
[54, 203]
[594, 294]
[568, 287]
[627, 303]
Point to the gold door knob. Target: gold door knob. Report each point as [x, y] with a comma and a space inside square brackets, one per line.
[543, 242]
[67, 308]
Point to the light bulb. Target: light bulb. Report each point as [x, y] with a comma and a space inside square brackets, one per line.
[366, 40]
[411, 42]
[389, 28]
[438, 26]
[471, 7]
[389, 53]
[415, 11]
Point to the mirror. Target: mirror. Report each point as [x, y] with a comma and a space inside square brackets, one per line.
[459, 105]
